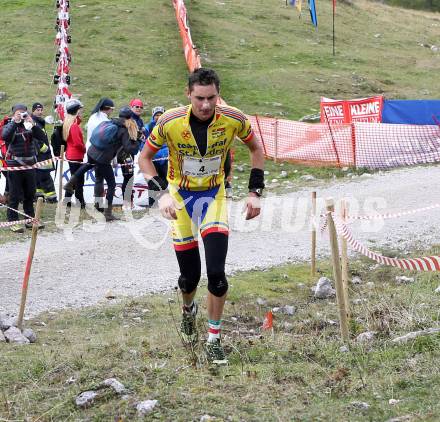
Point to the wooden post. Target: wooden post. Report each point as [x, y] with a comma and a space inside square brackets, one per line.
[313, 253]
[27, 271]
[276, 140]
[344, 260]
[60, 181]
[343, 317]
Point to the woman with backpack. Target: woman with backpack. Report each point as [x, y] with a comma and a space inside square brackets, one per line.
[76, 149]
[102, 111]
[108, 138]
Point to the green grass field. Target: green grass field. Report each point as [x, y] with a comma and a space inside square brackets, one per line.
[296, 373]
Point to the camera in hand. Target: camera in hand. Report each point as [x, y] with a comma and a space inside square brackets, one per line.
[24, 114]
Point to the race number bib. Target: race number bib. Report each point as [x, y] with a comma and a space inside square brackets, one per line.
[201, 167]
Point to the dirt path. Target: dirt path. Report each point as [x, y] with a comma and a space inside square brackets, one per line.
[78, 268]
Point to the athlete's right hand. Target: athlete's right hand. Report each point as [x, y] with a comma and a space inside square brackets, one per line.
[168, 206]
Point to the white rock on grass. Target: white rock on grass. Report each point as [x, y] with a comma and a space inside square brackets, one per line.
[356, 280]
[287, 310]
[30, 335]
[6, 323]
[401, 279]
[113, 383]
[207, 418]
[261, 301]
[412, 335]
[283, 174]
[307, 178]
[437, 290]
[344, 349]
[145, 407]
[85, 399]
[14, 335]
[324, 289]
[360, 405]
[366, 337]
[393, 402]
[2, 337]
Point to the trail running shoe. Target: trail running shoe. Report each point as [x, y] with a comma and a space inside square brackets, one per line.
[188, 326]
[215, 353]
[17, 228]
[30, 225]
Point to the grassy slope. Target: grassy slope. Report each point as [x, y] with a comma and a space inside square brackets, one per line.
[120, 49]
[265, 55]
[298, 374]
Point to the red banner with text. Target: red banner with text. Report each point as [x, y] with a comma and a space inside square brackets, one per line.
[367, 110]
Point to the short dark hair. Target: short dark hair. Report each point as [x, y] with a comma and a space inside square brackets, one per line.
[203, 76]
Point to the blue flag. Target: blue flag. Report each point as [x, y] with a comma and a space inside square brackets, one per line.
[313, 15]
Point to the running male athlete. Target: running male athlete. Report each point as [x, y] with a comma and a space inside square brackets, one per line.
[199, 136]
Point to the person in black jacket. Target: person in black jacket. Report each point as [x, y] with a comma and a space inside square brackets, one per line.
[101, 158]
[45, 185]
[24, 140]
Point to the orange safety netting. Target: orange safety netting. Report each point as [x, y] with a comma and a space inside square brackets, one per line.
[370, 145]
[191, 55]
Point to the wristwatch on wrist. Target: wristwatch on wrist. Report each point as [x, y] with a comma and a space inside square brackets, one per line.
[257, 191]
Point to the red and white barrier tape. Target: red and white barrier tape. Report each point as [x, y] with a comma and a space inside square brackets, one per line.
[117, 165]
[387, 215]
[17, 211]
[426, 263]
[24, 167]
[391, 215]
[13, 223]
[324, 226]
[50, 161]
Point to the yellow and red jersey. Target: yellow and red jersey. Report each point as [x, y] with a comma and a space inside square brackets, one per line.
[187, 169]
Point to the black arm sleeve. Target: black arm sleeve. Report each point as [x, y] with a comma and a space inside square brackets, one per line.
[256, 179]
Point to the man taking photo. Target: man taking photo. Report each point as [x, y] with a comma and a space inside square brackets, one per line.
[23, 141]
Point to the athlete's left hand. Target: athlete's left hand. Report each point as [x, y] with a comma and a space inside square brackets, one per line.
[168, 207]
[252, 206]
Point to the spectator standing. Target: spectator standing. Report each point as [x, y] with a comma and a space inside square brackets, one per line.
[137, 107]
[102, 112]
[24, 140]
[101, 153]
[45, 185]
[76, 149]
[160, 160]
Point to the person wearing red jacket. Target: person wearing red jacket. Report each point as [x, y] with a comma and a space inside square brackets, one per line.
[76, 148]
